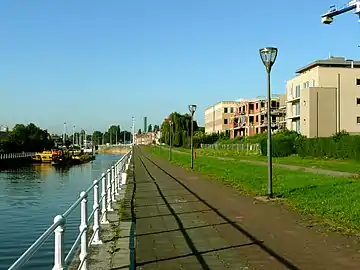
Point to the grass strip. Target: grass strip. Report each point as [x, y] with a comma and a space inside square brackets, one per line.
[341, 165]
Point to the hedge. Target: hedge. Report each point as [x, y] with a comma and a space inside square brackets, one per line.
[281, 146]
[337, 146]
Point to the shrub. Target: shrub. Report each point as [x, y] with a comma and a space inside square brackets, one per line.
[282, 146]
[341, 145]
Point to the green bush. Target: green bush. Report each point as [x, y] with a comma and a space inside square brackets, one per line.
[341, 145]
[282, 146]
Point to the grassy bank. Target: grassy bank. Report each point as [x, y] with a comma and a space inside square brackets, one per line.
[334, 199]
[341, 165]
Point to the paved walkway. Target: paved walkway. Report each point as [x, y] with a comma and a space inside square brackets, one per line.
[184, 221]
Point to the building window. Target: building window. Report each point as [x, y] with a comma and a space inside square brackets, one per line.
[225, 110]
[231, 110]
[358, 119]
[358, 82]
[357, 101]
[225, 121]
[297, 91]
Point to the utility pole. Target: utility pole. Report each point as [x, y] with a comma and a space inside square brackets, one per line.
[64, 134]
[116, 134]
[73, 135]
[133, 130]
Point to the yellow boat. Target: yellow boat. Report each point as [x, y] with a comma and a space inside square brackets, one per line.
[79, 157]
[43, 157]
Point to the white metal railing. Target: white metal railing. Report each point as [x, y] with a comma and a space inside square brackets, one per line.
[111, 183]
[16, 155]
[243, 147]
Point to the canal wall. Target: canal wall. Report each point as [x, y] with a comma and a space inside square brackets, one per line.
[113, 149]
[14, 163]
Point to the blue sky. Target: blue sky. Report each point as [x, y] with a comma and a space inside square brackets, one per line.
[96, 63]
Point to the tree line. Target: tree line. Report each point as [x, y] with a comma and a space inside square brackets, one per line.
[149, 129]
[28, 138]
[31, 138]
[181, 132]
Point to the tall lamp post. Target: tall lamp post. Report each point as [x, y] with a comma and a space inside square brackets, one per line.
[73, 135]
[192, 109]
[268, 56]
[64, 134]
[170, 137]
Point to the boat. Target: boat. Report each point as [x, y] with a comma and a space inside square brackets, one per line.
[79, 157]
[43, 157]
[61, 157]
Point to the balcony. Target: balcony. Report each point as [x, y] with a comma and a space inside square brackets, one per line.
[291, 98]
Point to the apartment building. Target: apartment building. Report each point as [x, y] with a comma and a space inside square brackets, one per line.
[145, 138]
[217, 117]
[250, 117]
[324, 98]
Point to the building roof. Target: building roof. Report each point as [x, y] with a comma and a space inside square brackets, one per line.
[258, 98]
[331, 62]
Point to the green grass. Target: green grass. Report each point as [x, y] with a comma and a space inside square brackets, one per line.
[341, 165]
[336, 200]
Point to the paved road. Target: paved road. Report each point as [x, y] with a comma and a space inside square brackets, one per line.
[184, 221]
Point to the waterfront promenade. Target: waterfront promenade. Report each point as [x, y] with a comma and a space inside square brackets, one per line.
[185, 221]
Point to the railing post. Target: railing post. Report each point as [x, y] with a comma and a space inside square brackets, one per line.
[96, 227]
[83, 231]
[59, 243]
[123, 178]
[116, 177]
[114, 186]
[104, 219]
[109, 199]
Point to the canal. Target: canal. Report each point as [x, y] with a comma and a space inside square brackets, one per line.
[30, 198]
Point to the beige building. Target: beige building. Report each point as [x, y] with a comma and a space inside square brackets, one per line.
[324, 98]
[251, 116]
[217, 117]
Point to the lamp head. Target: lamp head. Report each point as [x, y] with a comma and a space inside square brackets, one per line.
[268, 57]
[192, 108]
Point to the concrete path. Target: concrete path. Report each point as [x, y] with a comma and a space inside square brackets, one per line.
[185, 221]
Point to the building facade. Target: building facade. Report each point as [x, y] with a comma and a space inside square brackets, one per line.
[250, 117]
[217, 117]
[145, 138]
[324, 98]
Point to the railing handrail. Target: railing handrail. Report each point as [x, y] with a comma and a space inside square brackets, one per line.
[16, 155]
[116, 177]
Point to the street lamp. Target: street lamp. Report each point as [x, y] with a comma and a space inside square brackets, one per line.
[268, 56]
[192, 109]
[73, 139]
[170, 137]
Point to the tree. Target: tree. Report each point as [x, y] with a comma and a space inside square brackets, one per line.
[150, 129]
[181, 129]
[97, 137]
[28, 138]
[114, 132]
[156, 128]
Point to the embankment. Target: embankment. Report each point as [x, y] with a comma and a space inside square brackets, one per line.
[113, 150]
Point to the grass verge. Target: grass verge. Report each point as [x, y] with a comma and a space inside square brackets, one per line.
[335, 199]
[341, 165]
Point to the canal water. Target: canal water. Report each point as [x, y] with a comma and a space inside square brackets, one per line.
[30, 198]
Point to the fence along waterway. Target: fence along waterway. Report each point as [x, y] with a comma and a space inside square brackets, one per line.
[32, 196]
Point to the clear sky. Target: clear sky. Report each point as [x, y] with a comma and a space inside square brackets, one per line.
[96, 63]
